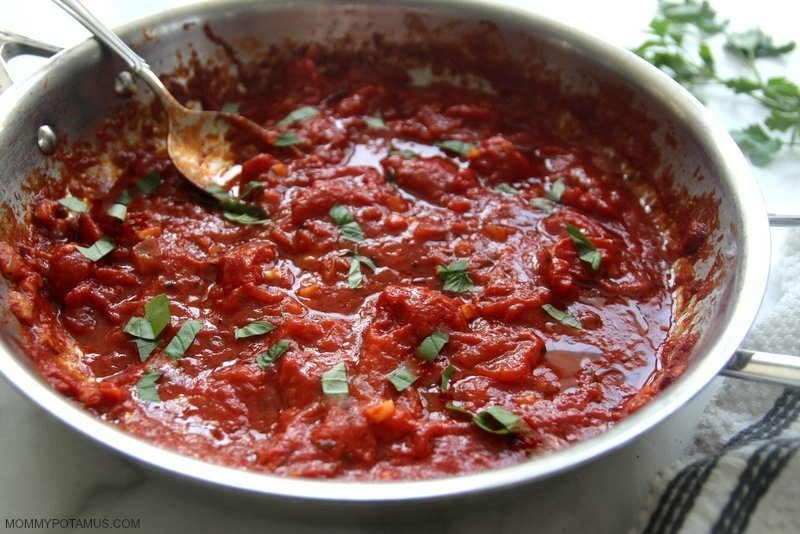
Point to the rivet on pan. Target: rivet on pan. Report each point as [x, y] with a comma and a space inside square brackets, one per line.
[46, 139]
[124, 85]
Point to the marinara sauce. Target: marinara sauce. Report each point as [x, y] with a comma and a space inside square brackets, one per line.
[408, 281]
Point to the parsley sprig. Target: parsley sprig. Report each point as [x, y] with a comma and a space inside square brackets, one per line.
[679, 27]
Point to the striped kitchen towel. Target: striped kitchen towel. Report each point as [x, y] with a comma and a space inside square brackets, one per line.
[742, 473]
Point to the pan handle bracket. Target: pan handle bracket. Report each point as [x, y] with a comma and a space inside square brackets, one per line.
[13, 45]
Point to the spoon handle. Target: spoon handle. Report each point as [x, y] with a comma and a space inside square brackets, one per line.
[135, 62]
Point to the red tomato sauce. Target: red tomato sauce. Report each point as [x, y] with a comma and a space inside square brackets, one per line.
[374, 148]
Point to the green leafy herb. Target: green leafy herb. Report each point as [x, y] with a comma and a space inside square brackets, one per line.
[459, 147]
[118, 211]
[180, 343]
[495, 419]
[402, 377]
[230, 107]
[354, 277]
[145, 346]
[679, 45]
[430, 347]
[562, 316]
[455, 277]
[249, 188]
[348, 227]
[334, 381]
[402, 153]
[447, 375]
[124, 198]
[286, 139]
[139, 327]
[74, 204]
[149, 182]
[146, 386]
[243, 218]
[156, 311]
[300, 114]
[554, 192]
[506, 189]
[543, 204]
[375, 122]
[255, 328]
[271, 355]
[99, 249]
[585, 248]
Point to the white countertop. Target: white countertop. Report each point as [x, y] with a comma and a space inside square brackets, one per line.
[49, 471]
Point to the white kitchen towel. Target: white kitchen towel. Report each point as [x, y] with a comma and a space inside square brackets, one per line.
[742, 473]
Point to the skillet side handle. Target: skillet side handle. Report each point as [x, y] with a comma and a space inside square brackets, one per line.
[784, 215]
[765, 367]
[13, 45]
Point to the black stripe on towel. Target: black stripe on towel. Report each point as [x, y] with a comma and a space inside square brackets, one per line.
[763, 468]
[681, 492]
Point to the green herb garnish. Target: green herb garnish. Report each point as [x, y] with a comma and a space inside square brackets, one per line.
[506, 189]
[447, 375]
[118, 211]
[495, 419]
[585, 248]
[146, 386]
[455, 277]
[255, 328]
[300, 114]
[156, 311]
[354, 277]
[124, 198]
[678, 28]
[543, 204]
[179, 344]
[286, 139]
[149, 182]
[402, 377]
[348, 227]
[402, 153]
[562, 316]
[243, 218]
[375, 122]
[139, 327]
[230, 107]
[145, 346]
[459, 147]
[334, 381]
[99, 249]
[74, 204]
[554, 192]
[250, 187]
[271, 355]
[430, 347]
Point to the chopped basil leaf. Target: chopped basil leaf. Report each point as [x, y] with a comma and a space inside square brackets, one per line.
[230, 107]
[118, 211]
[300, 114]
[149, 182]
[562, 316]
[334, 381]
[243, 218]
[145, 346]
[543, 204]
[495, 419]
[455, 277]
[146, 387]
[555, 191]
[74, 204]
[256, 328]
[156, 311]
[447, 375]
[430, 347]
[402, 377]
[124, 198]
[375, 122]
[139, 327]
[100, 248]
[402, 153]
[286, 139]
[271, 355]
[354, 277]
[585, 248]
[348, 226]
[250, 187]
[180, 343]
[217, 192]
[506, 189]
[453, 145]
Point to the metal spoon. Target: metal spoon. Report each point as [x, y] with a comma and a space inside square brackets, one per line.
[196, 141]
